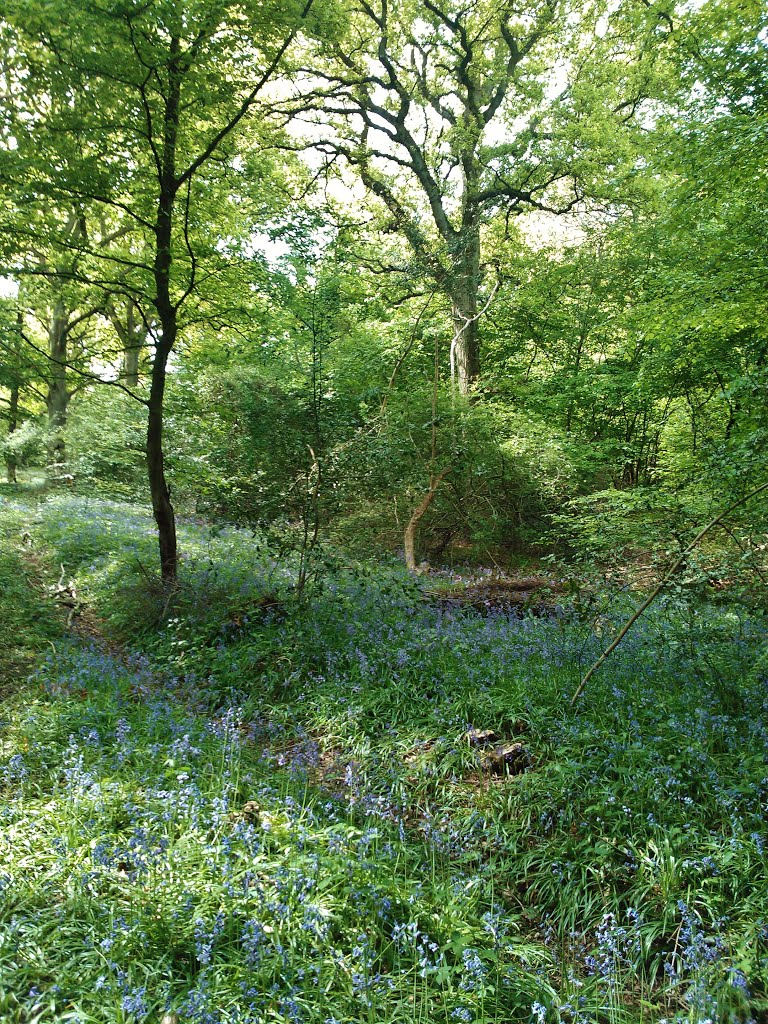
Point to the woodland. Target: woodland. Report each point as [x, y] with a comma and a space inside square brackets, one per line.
[384, 415]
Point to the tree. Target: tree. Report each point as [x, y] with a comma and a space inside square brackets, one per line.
[156, 95]
[455, 114]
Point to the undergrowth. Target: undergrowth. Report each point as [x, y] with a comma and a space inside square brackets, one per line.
[271, 806]
[28, 623]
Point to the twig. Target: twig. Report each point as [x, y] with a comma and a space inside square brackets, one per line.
[172, 592]
[657, 590]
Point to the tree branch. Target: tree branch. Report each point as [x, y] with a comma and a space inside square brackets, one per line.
[245, 106]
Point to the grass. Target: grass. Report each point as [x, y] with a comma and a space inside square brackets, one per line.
[269, 809]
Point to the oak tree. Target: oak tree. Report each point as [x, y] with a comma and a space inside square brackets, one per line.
[455, 113]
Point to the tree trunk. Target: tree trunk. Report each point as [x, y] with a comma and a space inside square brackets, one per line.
[167, 313]
[409, 538]
[13, 401]
[463, 288]
[132, 354]
[131, 333]
[158, 486]
[57, 399]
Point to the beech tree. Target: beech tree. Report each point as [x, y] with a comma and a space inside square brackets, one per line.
[456, 113]
[154, 96]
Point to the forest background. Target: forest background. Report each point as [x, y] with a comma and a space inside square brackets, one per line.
[513, 260]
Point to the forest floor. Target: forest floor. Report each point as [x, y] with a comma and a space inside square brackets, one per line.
[370, 801]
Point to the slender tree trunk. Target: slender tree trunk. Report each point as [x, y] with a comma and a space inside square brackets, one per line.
[57, 399]
[131, 331]
[158, 485]
[167, 313]
[409, 539]
[13, 401]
